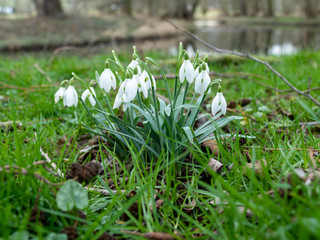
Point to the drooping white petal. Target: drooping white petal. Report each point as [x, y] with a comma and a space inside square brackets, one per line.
[143, 86]
[215, 105]
[87, 94]
[131, 89]
[107, 80]
[202, 82]
[219, 104]
[117, 102]
[223, 104]
[70, 97]
[186, 71]
[145, 77]
[59, 94]
[207, 67]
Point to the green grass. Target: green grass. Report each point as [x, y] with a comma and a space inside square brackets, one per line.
[291, 212]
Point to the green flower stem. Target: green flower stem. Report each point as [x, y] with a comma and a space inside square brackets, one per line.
[109, 105]
[100, 106]
[175, 91]
[184, 96]
[139, 100]
[198, 110]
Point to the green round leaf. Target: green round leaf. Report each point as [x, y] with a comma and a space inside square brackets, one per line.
[72, 194]
[20, 235]
[57, 236]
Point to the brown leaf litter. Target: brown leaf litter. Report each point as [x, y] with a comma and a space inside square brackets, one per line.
[84, 173]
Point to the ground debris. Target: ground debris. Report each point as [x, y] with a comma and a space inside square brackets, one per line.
[84, 173]
[155, 235]
[159, 236]
[259, 165]
[212, 145]
[107, 236]
[215, 165]
[242, 102]
[8, 126]
[71, 232]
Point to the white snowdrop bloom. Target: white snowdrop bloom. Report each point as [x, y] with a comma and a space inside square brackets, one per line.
[70, 97]
[122, 88]
[134, 64]
[186, 71]
[197, 71]
[202, 82]
[59, 94]
[219, 104]
[142, 84]
[107, 80]
[119, 100]
[145, 77]
[131, 88]
[87, 94]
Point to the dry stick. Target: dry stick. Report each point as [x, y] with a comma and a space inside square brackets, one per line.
[53, 165]
[24, 171]
[104, 191]
[66, 48]
[246, 76]
[42, 72]
[245, 55]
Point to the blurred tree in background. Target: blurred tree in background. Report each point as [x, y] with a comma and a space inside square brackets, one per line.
[183, 9]
[48, 8]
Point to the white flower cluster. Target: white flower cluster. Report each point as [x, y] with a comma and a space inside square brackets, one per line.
[202, 82]
[70, 95]
[141, 82]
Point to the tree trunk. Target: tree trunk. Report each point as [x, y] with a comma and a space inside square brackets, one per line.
[127, 7]
[48, 8]
[243, 8]
[308, 9]
[256, 7]
[269, 10]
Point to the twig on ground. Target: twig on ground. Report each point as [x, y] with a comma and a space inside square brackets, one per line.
[105, 192]
[248, 56]
[53, 165]
[24, 171]
[42, 72]
[66, 48]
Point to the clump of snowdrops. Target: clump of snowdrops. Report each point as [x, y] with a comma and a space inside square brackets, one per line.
[149, 124]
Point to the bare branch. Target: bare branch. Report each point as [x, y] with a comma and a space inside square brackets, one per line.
[245, 55]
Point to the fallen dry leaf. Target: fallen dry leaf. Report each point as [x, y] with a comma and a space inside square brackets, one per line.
[213, 146]
[215, 165]
[259, 165]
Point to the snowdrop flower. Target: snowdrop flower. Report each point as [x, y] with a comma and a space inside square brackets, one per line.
[219, 103]
[198, 69]
[107, 79]
[61, 92]
[131, 88]
[70, 97]
[145, 78]
[134, 64]
[186, 70]
[119, 100]
[88, 94]
[142, 85]
[122, 88]
[202, 81]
